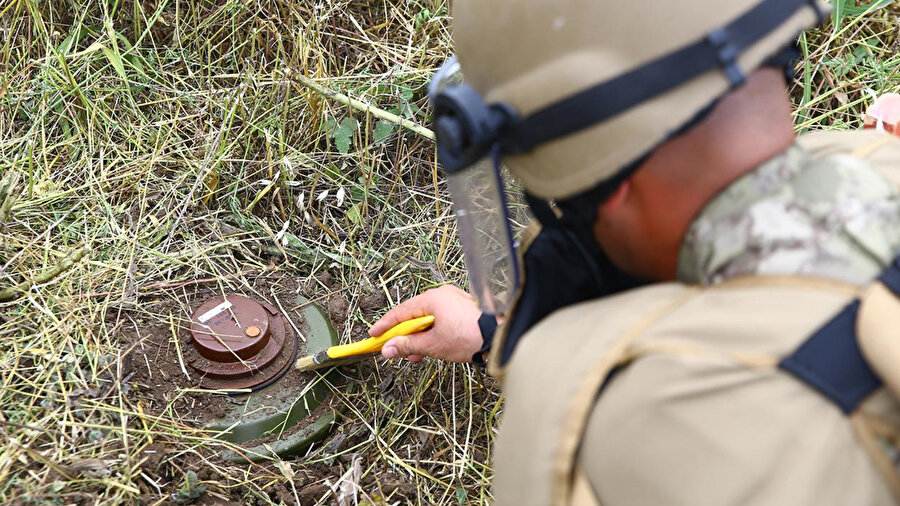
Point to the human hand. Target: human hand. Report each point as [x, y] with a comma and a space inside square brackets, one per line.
[455, 335]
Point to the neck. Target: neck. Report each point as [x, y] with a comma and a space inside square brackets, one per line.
[747, 128]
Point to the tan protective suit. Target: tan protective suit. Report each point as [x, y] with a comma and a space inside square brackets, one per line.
[671, 395]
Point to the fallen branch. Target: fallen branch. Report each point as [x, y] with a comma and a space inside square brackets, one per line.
[71, 259]
[360, 105]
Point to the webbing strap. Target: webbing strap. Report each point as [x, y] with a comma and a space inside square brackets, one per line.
[721, 47]
[831, 361]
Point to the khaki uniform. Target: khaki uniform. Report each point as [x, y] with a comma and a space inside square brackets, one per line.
[672, 395]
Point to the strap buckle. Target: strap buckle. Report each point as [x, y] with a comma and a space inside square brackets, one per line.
[726, 54]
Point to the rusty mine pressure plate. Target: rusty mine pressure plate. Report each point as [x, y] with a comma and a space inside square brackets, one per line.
[241, 343]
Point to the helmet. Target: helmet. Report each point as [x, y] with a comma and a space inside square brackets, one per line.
[580, 90]
[573, 94]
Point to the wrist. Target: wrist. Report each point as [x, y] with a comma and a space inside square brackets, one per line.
[487, 325]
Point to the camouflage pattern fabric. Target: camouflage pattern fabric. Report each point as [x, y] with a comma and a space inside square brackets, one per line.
[834, 217]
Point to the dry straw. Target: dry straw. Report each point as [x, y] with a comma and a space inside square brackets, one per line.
[150, 151]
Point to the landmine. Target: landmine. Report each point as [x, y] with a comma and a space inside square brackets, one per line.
[245, 348]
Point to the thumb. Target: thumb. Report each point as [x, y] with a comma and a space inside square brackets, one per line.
[404, 346]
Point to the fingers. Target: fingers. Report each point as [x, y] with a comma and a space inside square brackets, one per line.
[412, 308]
[454, 337]
[411, 346]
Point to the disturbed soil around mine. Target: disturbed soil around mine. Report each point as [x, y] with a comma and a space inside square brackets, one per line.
[150, 370]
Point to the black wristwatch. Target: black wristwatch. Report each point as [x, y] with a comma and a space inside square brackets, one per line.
[487, 324]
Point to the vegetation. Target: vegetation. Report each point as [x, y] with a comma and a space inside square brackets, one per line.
[150, 148]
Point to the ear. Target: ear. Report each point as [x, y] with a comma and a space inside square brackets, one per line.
[616, 201]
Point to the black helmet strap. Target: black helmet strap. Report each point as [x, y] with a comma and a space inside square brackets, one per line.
[467, 127]
[721, 47]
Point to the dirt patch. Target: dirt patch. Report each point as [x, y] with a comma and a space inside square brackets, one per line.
[372, 302]
[337, 308]
[312, 494]
[156, 341]
[390, 485]
[151, 457]
[333, 299]
[156, 348]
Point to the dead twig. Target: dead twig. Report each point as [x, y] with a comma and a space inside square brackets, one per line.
[361, 106]
[71, 259]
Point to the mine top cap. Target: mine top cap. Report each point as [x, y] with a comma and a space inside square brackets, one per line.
[230, 328]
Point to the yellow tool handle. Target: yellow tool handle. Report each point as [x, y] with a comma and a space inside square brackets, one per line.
[374, 344]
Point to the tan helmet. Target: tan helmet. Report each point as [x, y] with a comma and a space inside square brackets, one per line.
[531, 54]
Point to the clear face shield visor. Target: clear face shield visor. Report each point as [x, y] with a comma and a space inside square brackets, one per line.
[479, 200]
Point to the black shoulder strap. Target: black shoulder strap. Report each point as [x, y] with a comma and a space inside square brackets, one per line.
[831, 361]
[721, 47]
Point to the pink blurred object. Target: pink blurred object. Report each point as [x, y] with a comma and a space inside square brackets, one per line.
[884, 114]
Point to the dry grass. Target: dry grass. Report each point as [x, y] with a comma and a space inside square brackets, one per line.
[171, 145]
